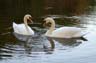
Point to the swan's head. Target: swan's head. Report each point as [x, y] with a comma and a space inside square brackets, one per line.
[28, 17]
[48, 22]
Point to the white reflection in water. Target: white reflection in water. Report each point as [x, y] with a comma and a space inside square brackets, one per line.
[35, 43]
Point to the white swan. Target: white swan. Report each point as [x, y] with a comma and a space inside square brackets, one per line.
[23, 28]
[62, 32]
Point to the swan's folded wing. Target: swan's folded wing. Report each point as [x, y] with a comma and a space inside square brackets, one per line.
[81, 34]
[19, 28]
[15, 27]
[66, 32]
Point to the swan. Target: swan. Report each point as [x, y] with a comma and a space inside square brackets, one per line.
[23, 28]
[62, 32]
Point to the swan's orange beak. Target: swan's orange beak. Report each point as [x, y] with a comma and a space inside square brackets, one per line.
[30, 20]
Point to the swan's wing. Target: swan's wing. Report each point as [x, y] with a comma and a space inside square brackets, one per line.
[31, 30]
[21, 29]
[15, 27]
[67, 32]
[81, 34]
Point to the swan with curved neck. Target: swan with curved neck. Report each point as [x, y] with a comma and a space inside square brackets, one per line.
[23, 28]
[62, 32]
[51, 23]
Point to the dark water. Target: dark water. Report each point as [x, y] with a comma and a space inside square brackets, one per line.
[15, 48]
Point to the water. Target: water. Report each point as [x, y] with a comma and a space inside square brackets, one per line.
[16, 48]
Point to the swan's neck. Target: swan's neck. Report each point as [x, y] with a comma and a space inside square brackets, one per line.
[25, 22]
[51, 29]
[26, 25]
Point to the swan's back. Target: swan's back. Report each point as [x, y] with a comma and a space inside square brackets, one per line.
[21, 29]
[66, 32]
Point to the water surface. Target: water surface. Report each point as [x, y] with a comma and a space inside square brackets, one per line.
[37, 48]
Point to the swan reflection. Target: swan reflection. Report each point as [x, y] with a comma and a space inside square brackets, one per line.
[65, 41]
[36, 43]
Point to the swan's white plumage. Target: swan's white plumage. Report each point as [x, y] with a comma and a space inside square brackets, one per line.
[63, 32]
[67, 32]
[22, 28]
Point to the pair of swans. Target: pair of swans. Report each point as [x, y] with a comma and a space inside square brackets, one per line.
[62, 32]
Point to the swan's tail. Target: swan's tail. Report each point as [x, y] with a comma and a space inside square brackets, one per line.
[84, 39]
[14, 26]
[14, 23]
